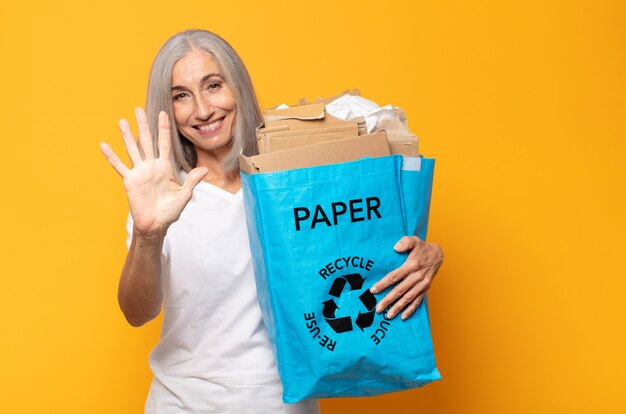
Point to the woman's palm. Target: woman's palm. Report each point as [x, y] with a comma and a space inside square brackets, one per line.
[155, 198]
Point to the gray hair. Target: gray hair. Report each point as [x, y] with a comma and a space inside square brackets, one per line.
[248, 117]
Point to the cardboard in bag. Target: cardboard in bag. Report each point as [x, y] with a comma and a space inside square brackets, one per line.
[309, 123]
[302, 117]
[281, 138]
[303, 112]
[333, 152]
[401, 140]
[402, 147]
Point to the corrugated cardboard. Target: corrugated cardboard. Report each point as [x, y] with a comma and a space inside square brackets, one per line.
[307, 124]
[408, 148]
[401, 140]
[343, 150]
[304, 112]
[279, 139]
[302, 117]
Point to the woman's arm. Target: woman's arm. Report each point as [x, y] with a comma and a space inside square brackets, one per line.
[139, 293]
[156, 201]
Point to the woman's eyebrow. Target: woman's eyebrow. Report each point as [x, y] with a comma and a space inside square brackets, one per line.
[204, 79]
[209, 76]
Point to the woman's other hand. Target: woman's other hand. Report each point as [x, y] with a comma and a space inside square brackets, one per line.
[412, 279]
[155, 198]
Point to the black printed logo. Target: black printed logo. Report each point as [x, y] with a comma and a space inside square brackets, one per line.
[328, 328]
[344, 323]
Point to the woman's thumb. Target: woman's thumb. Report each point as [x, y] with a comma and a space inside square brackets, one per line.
[194, 177]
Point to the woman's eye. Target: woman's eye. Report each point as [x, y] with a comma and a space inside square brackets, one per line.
[214, 86]
[179, 96]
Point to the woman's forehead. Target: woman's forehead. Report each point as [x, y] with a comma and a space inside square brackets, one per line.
[194, 68]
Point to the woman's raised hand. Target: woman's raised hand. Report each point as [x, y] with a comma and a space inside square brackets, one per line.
[155, 198]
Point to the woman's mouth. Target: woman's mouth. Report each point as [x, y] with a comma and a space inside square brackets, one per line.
[210, 128]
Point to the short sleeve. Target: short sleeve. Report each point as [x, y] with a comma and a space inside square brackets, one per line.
[129, 230]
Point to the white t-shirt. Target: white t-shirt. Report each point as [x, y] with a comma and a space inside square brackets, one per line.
[214, 354]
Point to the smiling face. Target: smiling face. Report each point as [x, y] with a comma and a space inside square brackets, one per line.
[204, 105]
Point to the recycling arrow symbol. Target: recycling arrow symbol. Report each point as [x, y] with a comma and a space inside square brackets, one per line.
[344, 323]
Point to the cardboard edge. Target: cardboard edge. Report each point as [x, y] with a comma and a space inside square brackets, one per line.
[304, 112]
[313, 155]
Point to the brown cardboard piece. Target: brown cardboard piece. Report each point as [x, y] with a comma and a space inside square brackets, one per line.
[304, 112]
[408, 148]
[301, 125]
[333, 152]
[302, 117]
[401, 140]
[309, 123]
[279, 140]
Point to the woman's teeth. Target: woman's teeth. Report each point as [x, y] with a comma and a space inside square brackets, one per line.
[211, 126]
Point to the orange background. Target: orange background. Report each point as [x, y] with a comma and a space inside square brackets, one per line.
[522, 103]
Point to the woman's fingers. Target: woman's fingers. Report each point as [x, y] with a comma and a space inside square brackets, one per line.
[404, 244]
[129, 142]
[392, 277]
[407, 243]
[165, 140]
[114, 160]
[410, 310]
[398, 295]
[404, 296]
[194, 177]
[408, 294]
[145, 138]
[412, 279]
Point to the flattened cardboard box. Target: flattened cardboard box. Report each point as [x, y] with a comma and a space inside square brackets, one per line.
[277, 140]
[309, 123]
[333, 152]
[303, 117]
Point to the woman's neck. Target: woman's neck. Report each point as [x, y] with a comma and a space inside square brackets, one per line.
[226, 180]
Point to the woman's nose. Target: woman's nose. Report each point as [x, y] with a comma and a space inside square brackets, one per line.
[204, 108]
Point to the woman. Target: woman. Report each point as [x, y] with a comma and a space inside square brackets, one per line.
[188, 245]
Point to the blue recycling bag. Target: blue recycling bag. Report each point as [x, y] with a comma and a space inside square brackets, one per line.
[320, 238]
